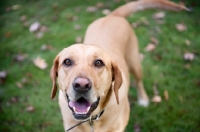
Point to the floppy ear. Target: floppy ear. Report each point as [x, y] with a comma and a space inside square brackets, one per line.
[117, 79]
[54, 75]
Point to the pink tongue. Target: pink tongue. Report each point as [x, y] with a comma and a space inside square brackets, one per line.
[80, 105]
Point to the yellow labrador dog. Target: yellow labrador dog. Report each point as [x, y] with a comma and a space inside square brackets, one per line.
[93, 77]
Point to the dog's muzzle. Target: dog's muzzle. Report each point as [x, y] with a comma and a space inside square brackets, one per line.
[82, 108]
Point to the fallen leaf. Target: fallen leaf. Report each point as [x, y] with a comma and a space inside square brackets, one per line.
[40, 63]
[187, 66]
[187, 42]
[154, 40]
[74, 18]
[77, 27]
[46, 47]
[3, 75]
[14, 99]
[23, 18]
[20, 57]
[91, 9]
[8, 9]
[19, 85]
[34, 27]
[189, 56]
[24, 80]
[30, 109]
[39, 35]
[155, 90]
[105, 11]
[8, 34]
[156, 99]
[137, 128]
[44, 29]
[55, 5]
[79, 39]
[134, 24]
[141, 56]
[159, 15]
[181, 27]
[150, 47]
[181, 99]
[99, 5]
[54, 18]
[26, 24]
[16, 7]
[166, 95]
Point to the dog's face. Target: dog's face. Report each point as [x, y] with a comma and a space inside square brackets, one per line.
[85, 74]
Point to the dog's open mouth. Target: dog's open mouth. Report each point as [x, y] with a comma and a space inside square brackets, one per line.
[82, 109]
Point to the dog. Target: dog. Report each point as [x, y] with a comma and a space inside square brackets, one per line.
[93, 77]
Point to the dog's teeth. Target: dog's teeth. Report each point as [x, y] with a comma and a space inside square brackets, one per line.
[77, 112]
[74, 109]
[88, 109]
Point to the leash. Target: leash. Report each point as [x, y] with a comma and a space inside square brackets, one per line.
[90, 120]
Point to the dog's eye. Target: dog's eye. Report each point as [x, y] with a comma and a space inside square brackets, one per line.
[99, 63]
[68, 62]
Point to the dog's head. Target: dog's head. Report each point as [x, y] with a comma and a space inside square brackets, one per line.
[86, 75]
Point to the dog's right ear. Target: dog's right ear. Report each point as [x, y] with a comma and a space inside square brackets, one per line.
[54, 75]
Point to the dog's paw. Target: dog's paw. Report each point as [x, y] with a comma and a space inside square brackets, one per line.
[143, 103]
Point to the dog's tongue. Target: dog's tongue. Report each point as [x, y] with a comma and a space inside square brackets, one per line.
[81, 105]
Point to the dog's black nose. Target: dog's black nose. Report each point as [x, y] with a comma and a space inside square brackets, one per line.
[82, 84]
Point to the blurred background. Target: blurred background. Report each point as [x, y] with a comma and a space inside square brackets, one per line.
[34, 31]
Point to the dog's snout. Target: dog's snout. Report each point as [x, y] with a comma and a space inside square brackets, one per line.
[82, 84]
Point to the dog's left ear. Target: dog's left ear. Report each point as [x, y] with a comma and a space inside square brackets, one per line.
[54, 75]
[117, 79]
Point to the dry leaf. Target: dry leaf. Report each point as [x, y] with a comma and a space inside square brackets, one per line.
[181, 27]
[8, 34]
[77, 27]
[187, 66]
[26, 24]
[181, 99]
[39, 35]
[3, 75]
[40, 63]
[154, 40]
[187, 42]
[189, 56]
[134, 24]
[30, 109]
[46, 47]
[137, 128]
[20, 57]
[155, 90]
[24, 80]
[156, 99]
[91, 9]
[14, 99]
[150, 47]
[19, 85]
[99, 5]
[141, 56]
[79, 39]
[159, 15]
[166, 95]
[16, 7]
[105, 11]
[34, 27]
[23, 18]
[44, 29]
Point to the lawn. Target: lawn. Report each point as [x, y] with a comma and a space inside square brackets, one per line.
[25, 104]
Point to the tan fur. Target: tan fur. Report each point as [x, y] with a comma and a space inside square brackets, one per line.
[112, 40]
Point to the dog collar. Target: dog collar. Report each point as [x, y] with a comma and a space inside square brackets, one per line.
[90, 120]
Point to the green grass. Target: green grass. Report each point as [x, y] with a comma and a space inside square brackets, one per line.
[165, 65]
